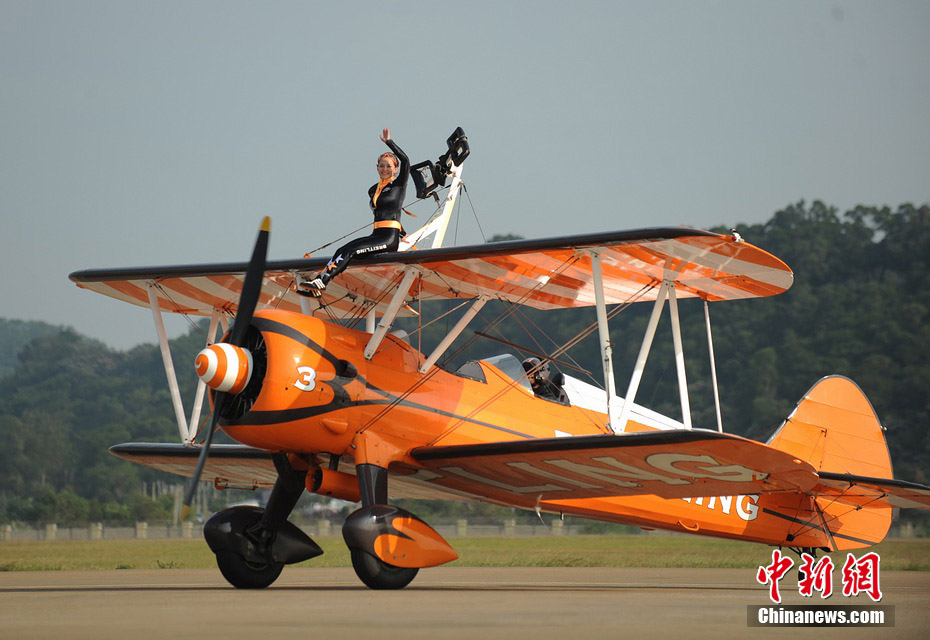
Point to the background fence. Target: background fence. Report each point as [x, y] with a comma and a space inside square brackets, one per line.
[320, 528]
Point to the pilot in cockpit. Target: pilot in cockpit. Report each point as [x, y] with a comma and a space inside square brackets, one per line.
[542, 382]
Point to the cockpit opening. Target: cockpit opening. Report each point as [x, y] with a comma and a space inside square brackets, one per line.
[529, 374]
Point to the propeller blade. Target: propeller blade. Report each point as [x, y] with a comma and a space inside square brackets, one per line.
[252, 286]
[218, 402]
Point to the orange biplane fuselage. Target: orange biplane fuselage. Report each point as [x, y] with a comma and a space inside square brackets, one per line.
[384, 408]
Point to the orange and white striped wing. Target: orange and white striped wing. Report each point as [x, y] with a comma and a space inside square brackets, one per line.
[199, 289]
[701, 264]
[553, 273]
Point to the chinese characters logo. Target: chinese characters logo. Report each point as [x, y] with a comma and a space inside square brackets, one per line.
[858, 575]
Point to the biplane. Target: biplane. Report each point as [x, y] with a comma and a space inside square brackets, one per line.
[323, 396]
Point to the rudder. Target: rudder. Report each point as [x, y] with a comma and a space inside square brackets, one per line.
[835, 429]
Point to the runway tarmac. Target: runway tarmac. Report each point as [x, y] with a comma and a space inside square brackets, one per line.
[446, 602]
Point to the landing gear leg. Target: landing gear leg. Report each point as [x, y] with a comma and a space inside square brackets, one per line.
[372, 484]
[284, 496]
[374, 572]
[252, 545]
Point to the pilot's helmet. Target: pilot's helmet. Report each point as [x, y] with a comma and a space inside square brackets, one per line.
[541, 369]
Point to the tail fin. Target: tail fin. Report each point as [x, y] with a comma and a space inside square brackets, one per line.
[835, 429]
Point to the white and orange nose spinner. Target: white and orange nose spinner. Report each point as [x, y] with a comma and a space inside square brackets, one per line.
[224, 367]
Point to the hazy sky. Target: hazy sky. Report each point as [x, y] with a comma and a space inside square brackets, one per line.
[149, 133]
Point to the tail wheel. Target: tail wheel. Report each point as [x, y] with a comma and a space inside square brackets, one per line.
[248, 575]
[377, 574]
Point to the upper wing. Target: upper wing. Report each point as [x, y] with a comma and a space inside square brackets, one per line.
[200, 289]
[671, 464]
[545, 274]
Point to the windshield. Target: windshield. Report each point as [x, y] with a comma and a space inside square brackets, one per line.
[512, 368]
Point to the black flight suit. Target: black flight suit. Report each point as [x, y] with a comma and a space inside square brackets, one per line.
[388, 230]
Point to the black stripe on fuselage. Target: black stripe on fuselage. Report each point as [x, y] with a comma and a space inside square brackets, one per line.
[574, 443]
[292, 415]
[272, 326]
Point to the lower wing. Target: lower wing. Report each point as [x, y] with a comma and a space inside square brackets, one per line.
[229, 465]
[669, 463]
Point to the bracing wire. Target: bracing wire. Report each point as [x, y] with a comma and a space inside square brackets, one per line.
[438, 318]
[505, 314]
[364, 226]
[556, 353]
[556, 345]
[475, 213]
[178, 309]
[332, 242]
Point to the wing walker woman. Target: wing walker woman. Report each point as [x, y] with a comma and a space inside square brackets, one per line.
[386, 200]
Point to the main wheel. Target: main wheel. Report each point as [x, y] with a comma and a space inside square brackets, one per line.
[246, 575]
[378, 574]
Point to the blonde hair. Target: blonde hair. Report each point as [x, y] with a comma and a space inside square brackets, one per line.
[388, 154]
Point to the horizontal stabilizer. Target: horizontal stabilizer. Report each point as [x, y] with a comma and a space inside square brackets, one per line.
[671, 464]
[868, 492]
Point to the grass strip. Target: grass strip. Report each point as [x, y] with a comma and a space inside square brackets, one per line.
[540, 551]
